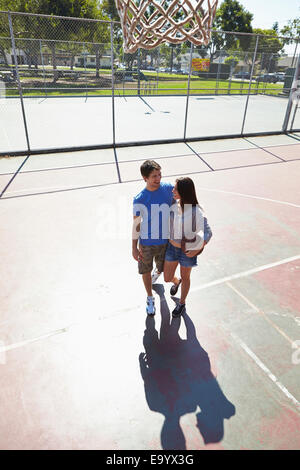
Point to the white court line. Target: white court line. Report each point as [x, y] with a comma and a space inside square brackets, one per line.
[203, 286]
[245, 273]
[266, 370]
[66, 329]
[32, 340]
[250, 196]
[243, 297]
[254, 357]
[257, 310]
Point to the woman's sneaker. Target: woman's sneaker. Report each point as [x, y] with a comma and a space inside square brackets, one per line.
[178, 310]
[174, 288]
[155, 276]
[150, 307]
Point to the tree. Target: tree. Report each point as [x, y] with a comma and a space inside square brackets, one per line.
[72, 8]
[268, 48]
[65, 32]
[292, 29]
[5, 43]
[232, 16]
[165, 54]
[109, 8]
[276, 27]
[232, 61]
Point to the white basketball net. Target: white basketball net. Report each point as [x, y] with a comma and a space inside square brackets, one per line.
[148, 23]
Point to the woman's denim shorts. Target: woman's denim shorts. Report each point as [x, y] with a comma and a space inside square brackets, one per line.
[176, 254]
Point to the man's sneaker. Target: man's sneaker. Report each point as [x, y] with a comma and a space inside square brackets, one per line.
[178, 310]
[150, 308]
[155, 276]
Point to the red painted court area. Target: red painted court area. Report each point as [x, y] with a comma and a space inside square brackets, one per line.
[82, 367]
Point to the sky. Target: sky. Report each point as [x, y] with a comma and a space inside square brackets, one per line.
[267, 12]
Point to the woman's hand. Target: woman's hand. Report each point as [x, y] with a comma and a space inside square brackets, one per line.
[191, 253]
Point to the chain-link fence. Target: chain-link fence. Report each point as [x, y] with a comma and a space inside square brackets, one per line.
[239, 83]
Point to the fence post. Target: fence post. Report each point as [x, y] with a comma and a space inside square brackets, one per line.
[42, 60]
[295, 112]
[138, 69]
[292, 64]
[188, 93]
[218, 72]
[250, 83]
[292, 96]
[112, 81]
[18, 77]
[85, 54]
[157, 69]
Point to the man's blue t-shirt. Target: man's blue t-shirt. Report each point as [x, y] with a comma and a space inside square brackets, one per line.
[153, 206]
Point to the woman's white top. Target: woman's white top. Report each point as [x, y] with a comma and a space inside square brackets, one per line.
[187, 225]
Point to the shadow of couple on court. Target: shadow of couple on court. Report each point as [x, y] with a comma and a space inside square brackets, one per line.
[178, 379]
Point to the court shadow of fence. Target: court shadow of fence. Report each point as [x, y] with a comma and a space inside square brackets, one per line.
[178, 379]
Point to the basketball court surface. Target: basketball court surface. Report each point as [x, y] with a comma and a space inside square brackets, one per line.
[69, 122]
[83, 367]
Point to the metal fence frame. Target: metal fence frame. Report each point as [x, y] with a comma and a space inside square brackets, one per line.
[114, 144]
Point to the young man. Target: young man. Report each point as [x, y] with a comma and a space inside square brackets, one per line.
[150, 226]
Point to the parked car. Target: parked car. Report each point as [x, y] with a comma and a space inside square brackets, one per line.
[132, 75]
[280, 76]
[267, 77]
[7, 76]
[243, 75]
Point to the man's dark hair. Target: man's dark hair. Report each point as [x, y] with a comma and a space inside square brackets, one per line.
[148, 166]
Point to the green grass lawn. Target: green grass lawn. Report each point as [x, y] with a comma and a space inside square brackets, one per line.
[153, 87]
[222, 87]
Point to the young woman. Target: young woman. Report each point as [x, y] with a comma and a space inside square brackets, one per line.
[189, 233]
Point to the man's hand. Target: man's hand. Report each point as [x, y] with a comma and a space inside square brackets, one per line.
[137, 254]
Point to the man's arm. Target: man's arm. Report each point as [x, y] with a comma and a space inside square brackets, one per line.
[136, 253]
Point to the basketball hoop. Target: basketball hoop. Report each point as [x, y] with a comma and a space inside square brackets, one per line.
[148, 23]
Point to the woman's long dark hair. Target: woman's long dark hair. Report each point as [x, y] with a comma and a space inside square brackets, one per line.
[187, 192]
